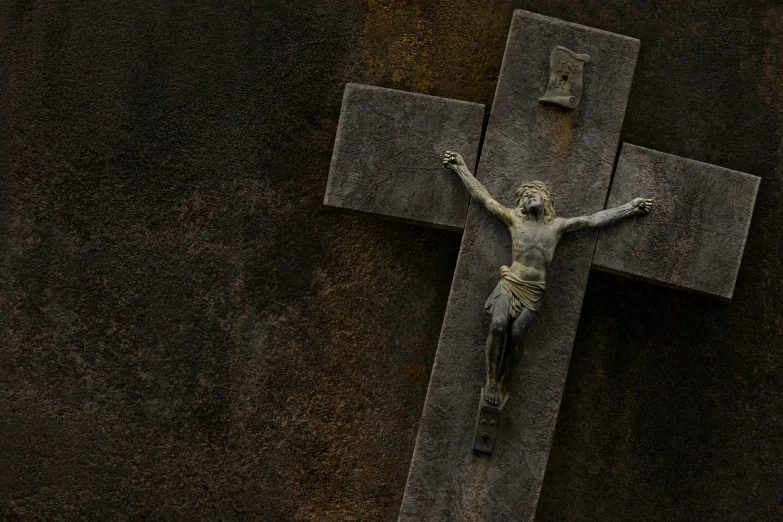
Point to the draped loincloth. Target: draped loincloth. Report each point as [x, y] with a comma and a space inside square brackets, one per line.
[521, 294]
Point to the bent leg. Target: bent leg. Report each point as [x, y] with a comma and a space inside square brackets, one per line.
[494, 350]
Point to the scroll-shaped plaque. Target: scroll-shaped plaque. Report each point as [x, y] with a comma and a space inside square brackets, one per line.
[565, 78]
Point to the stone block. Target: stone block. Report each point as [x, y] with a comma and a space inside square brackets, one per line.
[695, 235]
[388, 152]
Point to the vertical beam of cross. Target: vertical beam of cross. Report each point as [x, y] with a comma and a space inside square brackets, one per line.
[573, 152]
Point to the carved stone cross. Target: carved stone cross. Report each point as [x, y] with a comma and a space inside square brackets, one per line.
[386, 162]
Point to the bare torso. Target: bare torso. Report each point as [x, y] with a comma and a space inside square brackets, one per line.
[533, 245]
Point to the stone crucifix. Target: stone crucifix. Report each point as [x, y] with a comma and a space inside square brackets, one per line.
[535, 230]
[573, 151]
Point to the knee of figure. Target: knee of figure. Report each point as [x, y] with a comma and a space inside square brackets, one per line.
[497, 326]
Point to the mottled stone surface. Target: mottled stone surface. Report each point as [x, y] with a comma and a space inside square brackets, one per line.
[573, 152]
[388, 152]
[186, 335]
[696, 235]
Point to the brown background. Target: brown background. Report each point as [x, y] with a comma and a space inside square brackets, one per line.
[186, 334]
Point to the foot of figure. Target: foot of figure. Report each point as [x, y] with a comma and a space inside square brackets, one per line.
[491, 394]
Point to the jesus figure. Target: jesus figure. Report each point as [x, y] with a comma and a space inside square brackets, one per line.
[535, 231]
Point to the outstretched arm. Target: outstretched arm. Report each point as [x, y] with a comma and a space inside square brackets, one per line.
[639, 206]
[454, 161]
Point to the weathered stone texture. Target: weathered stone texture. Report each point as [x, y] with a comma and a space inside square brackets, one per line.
[573, 152]
[186, 335]
[388, 152]
[694, 238]
[185, 332]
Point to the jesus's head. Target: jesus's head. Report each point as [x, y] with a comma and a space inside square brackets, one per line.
[535, 197]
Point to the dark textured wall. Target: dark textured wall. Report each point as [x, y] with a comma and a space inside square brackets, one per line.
[186, 334]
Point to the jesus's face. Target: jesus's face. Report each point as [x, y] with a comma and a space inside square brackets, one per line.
[531, 201]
